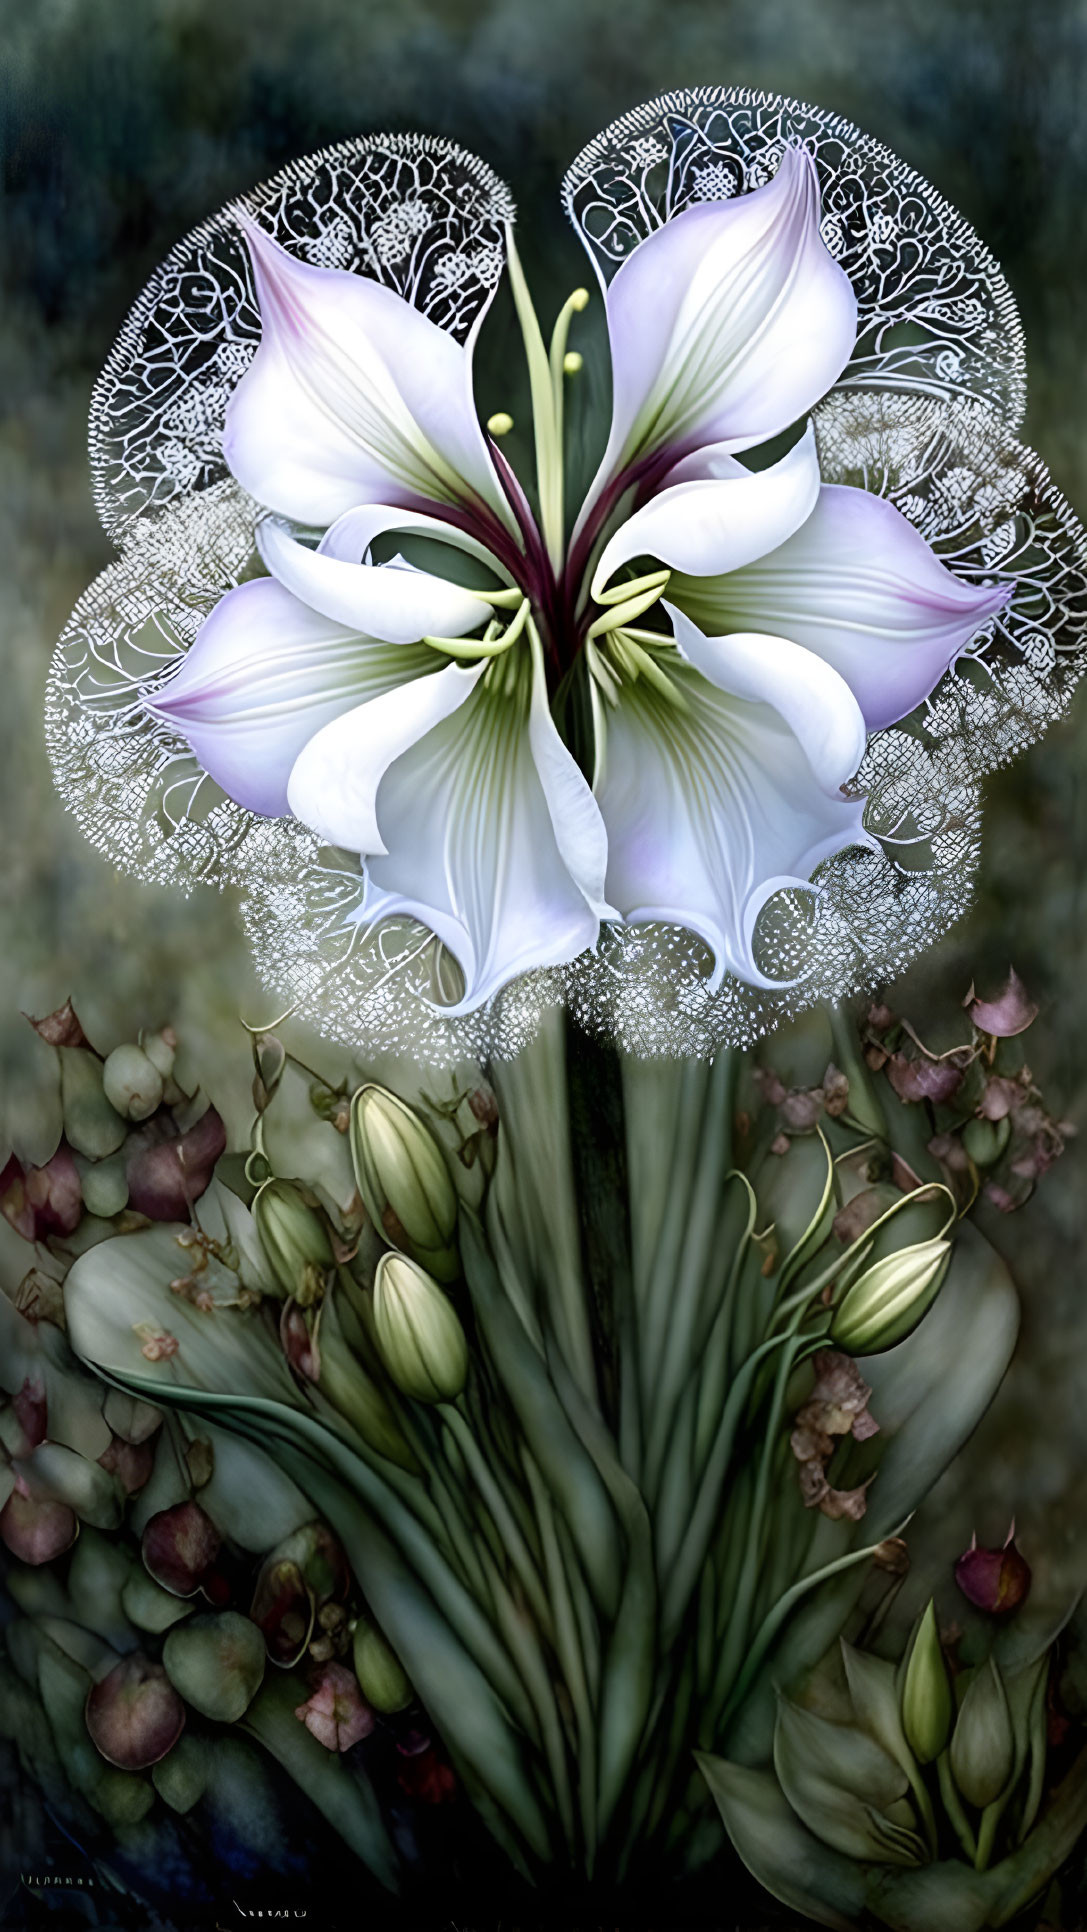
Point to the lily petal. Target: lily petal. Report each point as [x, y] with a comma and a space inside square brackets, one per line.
[859, 586]
[392, 601]
[350, 537]
[728, 323]
[712, 808]
[352, 395]
[710, 525]
[264, 673]
[472, 817]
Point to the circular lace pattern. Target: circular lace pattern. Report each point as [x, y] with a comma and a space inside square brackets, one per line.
[924, 414]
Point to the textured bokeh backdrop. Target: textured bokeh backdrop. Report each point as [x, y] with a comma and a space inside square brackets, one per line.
[126, 121]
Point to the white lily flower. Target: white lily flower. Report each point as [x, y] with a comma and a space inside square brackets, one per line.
[523, 724]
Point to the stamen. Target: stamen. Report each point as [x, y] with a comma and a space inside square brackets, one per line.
[500, 423]
[639, 661]
[501, 599]
[493, 643]
[573, 363]
[626, 612]
[545, 375]
[632, 587]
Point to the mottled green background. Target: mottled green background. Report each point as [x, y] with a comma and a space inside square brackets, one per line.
[126, 121]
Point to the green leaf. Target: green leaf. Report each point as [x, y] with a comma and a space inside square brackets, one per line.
[51, 1470]
[792, 1864]
[97, 1574]
[838, 1781]
[874, 1694]
[121, 1285]
[928, 1396]
[341, 1791]
[147, 1605]
[216, 1662]
[181, 1777]
[249, 1497]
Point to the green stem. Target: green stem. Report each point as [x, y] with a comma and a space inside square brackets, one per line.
[515, 1546]
[952, 1804]
[568, 1648]
[771, 1624]
[687, 1311]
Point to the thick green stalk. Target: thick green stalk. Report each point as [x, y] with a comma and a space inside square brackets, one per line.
[533, 1196]
[571, 1661]
[683, 1578]
[686, 1312]
[511, 1538]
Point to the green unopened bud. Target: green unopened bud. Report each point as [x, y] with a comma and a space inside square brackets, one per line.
[418, 1332]
[344, 1381]
[985, 1140]
[382, 1679]
[404, 1180]
[983, 1745]
[926, 1693]
[132, 1082]
[161, 1050]
[293, 1238]
[886, 1303]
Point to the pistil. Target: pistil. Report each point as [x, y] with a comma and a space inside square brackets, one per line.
[546, 371]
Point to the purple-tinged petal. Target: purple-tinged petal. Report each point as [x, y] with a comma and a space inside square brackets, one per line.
[353, 396]
[713, 805]
[393, 602]
[472, 815]
[265, 674]
[1010, 1013]
[727, 324]
[709, 526]
[859, 586]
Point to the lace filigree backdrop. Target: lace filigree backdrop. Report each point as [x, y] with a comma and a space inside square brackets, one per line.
[924, 414]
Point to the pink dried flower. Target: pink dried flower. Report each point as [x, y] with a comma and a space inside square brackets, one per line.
[335, 1713]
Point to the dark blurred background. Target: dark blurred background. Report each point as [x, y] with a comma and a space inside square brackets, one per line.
[124, 122]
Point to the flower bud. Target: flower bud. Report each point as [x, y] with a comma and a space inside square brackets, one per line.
[926, 1693]
[983, 1744]
[418, 1332]
[293, 1238]
[889, 1299]
[161, 1050]
[132, 1082]
[343, 1380]
[381, 1677]
[404, 1180]
[994, 1580]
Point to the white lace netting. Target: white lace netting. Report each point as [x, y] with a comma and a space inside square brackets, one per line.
[924, 414]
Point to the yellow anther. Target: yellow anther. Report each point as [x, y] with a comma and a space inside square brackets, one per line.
[501, 599]
[579, 300]
[655, 580]
[471, 650]
[625, 613]
[572, 363]
[639, 661]
[500, 424]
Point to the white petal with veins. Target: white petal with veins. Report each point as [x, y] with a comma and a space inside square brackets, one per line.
[859, 586]
[264, 673]
[728, 324]
[713, 807]
[472, 817]
[392, 601]
[353, 394]
[707, 526]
